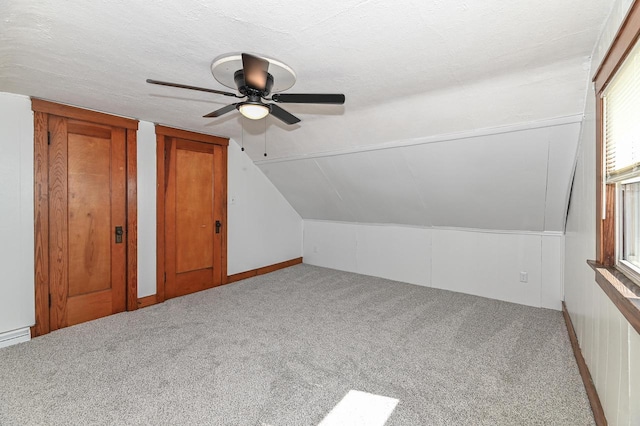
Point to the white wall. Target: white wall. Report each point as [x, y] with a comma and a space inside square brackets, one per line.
[484, 263]
[146, 209]
[16, 213]
[399, 253]
[263, 228]
[611, 347]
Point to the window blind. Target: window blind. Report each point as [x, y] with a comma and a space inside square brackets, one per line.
[622, 120]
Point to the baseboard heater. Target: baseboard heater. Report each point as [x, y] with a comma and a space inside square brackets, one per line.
[14, 337]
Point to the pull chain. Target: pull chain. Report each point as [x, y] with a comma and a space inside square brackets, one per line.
[265, 136]
[242, 125]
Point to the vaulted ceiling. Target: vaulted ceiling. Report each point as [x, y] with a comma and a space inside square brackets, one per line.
[410, 70]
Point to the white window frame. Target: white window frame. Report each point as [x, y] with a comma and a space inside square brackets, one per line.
[630, 270]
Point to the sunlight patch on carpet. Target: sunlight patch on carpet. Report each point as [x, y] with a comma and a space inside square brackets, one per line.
[360, 408]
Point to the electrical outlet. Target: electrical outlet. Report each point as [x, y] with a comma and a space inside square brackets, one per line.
[524, 277]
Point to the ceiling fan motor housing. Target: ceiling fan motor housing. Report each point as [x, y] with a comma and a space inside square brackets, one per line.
[245, 89]
[254, 82]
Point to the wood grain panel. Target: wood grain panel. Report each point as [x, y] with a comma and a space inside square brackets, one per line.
[623, 292]
[88, 129]
[118, 218]
[264, 270]
[82, 114]
[41, 225]
[194, 210]
[220, 204]
[89, 208]
[143, 302]
[192, 281]
[192, 136]
[172, 282]
[132, 220]
[54, 234]
[58, 242]
[599, 179]
[170, 219]
[88, 307]
[620, 48]
[609, 227]
[161, 185]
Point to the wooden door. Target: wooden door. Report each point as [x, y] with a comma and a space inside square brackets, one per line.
[87, 211]
[194, 203]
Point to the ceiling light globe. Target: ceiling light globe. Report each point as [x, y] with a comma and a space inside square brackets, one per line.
[253, 111]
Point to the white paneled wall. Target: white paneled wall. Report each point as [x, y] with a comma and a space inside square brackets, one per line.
[488, 265]
[476, 262]
[333, 245]
[552, 272]
[16, 217]
[611, 347]
[395, 252]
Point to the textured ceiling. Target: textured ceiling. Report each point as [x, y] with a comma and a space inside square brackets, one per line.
[413, 72]
[408, 69]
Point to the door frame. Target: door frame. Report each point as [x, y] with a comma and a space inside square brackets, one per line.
[41, 111]
[162, 134]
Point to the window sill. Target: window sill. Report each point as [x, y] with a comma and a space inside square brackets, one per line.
[623, 292]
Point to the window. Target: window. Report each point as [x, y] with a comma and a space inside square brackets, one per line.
[617, 87]
[630, 226]
[621, 134]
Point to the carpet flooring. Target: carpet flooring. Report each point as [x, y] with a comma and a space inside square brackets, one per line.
[284, 348]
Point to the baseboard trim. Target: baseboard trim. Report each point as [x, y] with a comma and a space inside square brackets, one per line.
[592, 393]
[14, 337]
[143, 302]
[261, 271]
[146, 301]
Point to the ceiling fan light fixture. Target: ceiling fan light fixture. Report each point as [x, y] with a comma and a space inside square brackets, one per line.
[254, 111]
[255, 78]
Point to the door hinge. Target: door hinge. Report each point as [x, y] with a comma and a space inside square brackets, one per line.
[48, 138]
[49, 299]
[165, 277]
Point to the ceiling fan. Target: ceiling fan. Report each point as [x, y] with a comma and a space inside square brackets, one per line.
[255, 82]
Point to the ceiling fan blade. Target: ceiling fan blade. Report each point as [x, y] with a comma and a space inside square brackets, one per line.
[309, 98]
[221, 111]
[255, 71]
[283, 115]
[184, 86]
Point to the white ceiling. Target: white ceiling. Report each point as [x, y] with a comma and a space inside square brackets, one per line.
[438, 59]
[410, 71]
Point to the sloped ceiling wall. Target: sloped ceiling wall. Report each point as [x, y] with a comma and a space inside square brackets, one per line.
[517, 179]
[533, 94]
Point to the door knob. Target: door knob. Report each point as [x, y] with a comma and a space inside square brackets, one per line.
[119, 233]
